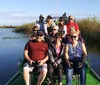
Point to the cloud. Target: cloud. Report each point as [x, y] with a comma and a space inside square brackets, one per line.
[13, 18]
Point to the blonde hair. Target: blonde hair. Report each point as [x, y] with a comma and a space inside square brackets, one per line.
[72, 29]
[74, 32]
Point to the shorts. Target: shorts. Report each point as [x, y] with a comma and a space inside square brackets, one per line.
[27, 67]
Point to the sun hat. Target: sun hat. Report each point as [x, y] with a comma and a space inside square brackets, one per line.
[41, 16]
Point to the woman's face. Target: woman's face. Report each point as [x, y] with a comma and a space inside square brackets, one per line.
[61, 22]
[49, 21]
[58, 38]
[74, 38]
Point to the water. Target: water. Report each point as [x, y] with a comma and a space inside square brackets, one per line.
[12, 47]
[11, 50]
[94, 57]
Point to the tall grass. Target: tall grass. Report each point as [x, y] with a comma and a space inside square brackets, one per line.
[89, 27]
[90, 30]
[25, 28]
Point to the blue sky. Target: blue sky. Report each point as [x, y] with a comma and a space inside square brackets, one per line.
[18, 12]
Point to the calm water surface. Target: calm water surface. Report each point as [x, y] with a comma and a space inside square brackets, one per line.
[11, 50]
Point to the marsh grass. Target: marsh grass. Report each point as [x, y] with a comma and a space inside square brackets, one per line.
[25, 28]
[90, 30]
[89, 27]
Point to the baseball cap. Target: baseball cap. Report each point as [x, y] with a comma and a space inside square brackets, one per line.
[40, 33]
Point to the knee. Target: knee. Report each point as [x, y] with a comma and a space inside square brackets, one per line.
[44, 71]
[25, 71]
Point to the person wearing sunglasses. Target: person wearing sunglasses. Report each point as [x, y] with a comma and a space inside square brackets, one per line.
[71, 22]
[75, 56]
[56, 52]
[34, 33]
[36, 51]
[51, 37]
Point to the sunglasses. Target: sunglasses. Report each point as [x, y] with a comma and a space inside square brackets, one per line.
[40, 35]
[58, 37]
[73, 36]
[54, 29]
[62, 20]
[70, 18]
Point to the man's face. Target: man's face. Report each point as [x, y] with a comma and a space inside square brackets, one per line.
[41, 18]
[71, 19]
[40, 38]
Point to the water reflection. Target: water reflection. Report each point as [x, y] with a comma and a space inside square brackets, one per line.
[15, 37]
[94, 57]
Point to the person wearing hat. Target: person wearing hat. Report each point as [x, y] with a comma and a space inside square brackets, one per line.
[56, 53]
[48, 26]
[71, 23]
[62, 26]
[41, 23]
[36, 51]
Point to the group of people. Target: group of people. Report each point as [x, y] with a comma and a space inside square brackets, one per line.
[55, 49]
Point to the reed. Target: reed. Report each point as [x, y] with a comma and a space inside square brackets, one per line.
[89, 27]
[90, 30]
[25, 28]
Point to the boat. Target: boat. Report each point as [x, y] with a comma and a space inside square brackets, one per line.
[91, 77]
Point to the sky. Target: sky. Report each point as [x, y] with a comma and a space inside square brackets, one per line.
[18, 12]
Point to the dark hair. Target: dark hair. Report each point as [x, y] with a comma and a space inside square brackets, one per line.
[58, 35]
[49, 17]
[61, 19]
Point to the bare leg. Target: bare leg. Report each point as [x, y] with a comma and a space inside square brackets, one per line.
[26, 76]
[59, 83]
[42, 76]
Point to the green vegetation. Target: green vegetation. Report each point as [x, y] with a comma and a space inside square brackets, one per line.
[90, 30]
[6, 26]
[25, 28]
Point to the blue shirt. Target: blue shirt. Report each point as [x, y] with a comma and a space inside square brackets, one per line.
[75, 53]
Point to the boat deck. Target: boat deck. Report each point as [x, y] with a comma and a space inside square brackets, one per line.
[18, 80]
